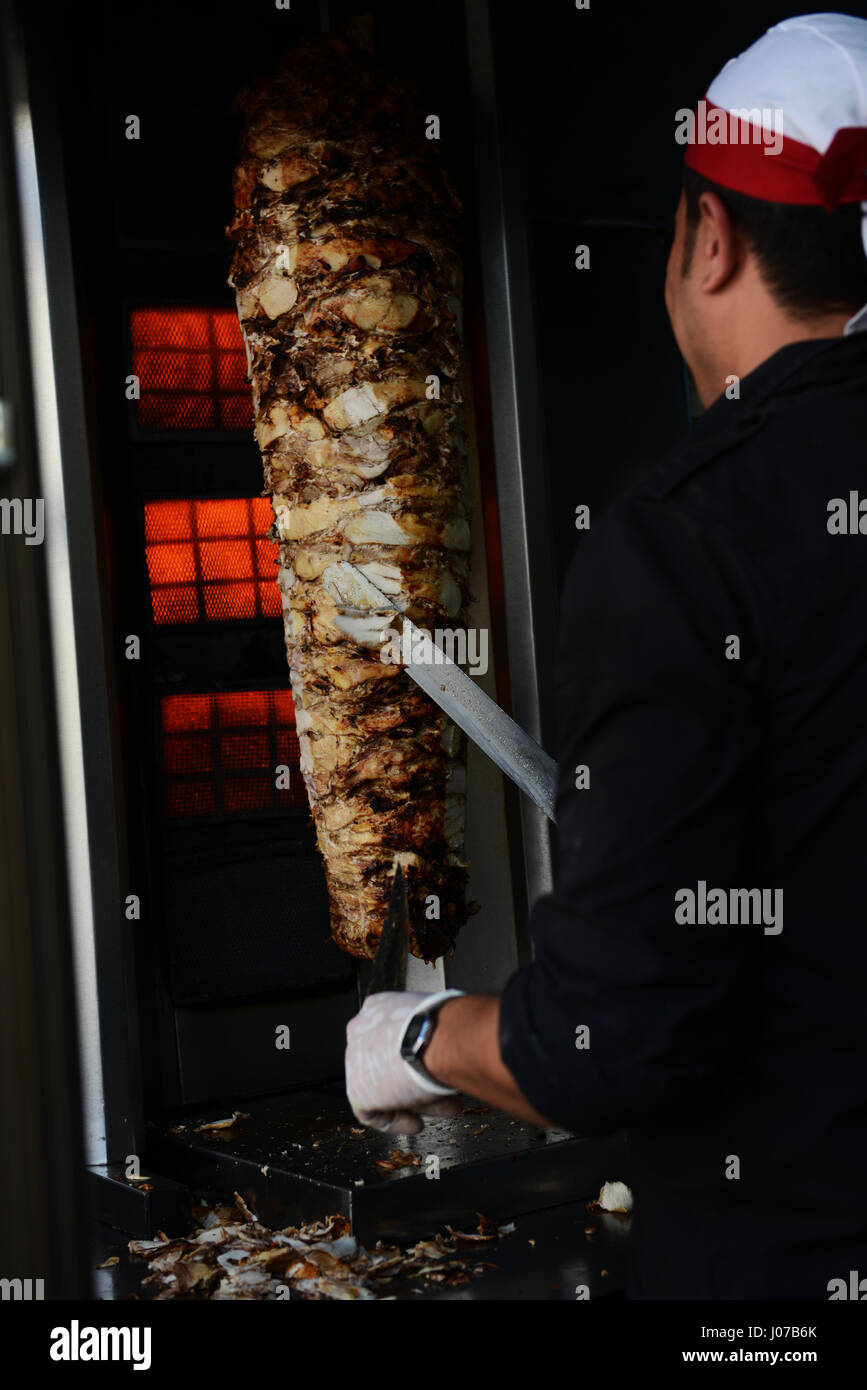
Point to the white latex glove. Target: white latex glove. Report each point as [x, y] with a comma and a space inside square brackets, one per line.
[383, 1089]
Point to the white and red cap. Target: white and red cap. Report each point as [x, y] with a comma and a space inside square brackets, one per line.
[806, 80]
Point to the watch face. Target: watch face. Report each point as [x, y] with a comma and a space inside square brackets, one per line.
[416, 1032]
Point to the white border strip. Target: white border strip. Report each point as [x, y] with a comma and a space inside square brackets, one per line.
[65, 664]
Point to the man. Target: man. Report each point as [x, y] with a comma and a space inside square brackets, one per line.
[709, 924]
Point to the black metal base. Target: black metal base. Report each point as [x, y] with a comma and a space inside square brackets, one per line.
[139, 1209]
[301, 1157]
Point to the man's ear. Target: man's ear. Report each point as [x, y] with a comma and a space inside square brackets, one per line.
[719, 250]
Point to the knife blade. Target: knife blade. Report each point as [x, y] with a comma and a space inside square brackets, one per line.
[367, 613]
[389, 964]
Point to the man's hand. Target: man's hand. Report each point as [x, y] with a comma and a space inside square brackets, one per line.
[464, 1053]
[383, 1090]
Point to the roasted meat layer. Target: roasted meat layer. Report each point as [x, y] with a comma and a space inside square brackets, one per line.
[346, 276]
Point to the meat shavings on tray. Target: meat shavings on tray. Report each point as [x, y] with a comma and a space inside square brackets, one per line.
[232, 1255]
[399, 1158]
[218, 1124]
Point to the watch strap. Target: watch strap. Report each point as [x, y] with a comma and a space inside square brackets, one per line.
[420, 1074]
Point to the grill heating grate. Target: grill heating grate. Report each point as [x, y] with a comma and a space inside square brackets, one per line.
[210, 560]
[221, 752]
[192, 369]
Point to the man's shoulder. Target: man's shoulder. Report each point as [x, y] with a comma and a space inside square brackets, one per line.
[757, 470]
[800, 419]
[749, 489]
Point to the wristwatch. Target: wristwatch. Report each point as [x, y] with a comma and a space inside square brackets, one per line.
[418, 1033]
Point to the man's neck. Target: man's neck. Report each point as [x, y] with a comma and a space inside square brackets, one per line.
[756, 339]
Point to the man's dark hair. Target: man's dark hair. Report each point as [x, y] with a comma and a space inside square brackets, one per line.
[812, 261]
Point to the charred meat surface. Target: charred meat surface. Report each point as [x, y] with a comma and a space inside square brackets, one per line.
[346, 276]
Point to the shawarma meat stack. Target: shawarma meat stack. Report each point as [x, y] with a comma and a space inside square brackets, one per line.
[346, 276]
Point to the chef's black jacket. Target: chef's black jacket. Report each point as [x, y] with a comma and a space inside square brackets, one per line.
[711, 1043]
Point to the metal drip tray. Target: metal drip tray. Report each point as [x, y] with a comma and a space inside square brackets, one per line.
[302, 1156]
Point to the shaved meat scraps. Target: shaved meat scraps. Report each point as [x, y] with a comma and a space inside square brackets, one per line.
[232, 1255]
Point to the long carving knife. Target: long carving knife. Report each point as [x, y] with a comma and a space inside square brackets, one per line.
[389, 964]
[366, 614]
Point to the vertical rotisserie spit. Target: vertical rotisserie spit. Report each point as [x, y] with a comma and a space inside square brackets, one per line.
[346, 275]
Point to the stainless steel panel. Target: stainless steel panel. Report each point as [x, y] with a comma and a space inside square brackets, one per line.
[82, 660]
[42, 1208]
[518, 431]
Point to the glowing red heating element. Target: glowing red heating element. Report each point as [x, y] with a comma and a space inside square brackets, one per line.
[221, 752]
[192, 369]
[209, 560]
